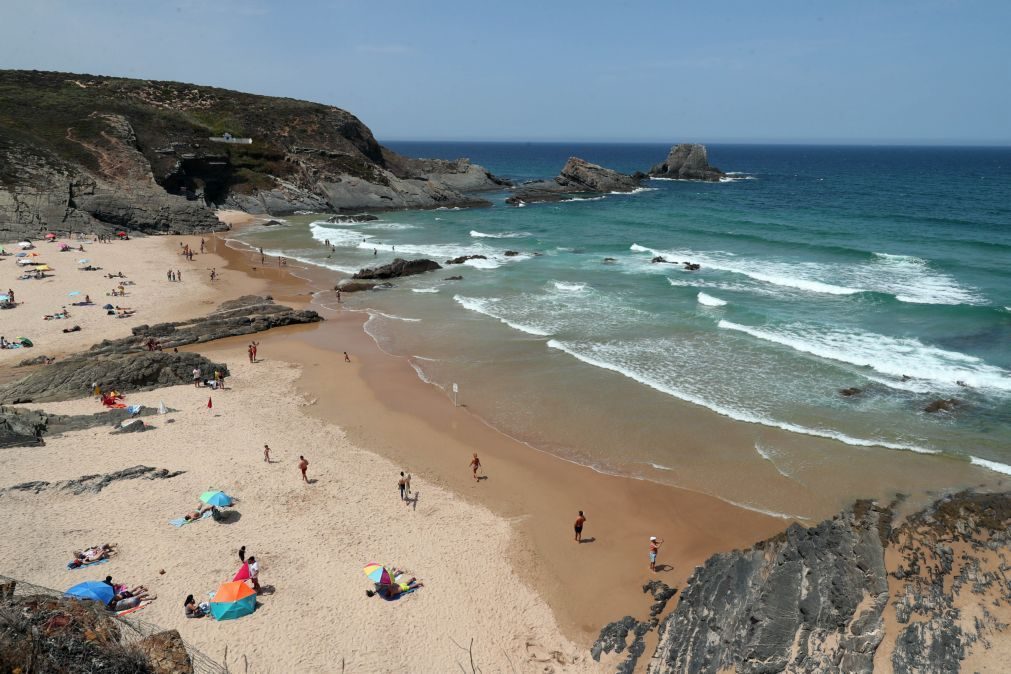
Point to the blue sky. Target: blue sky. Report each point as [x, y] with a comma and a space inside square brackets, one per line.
[659, 70]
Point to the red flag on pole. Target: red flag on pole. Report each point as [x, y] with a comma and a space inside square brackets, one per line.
[209, 403]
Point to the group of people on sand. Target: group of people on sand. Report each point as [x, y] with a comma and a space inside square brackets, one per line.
[192, 609]
[251, 350]
[125, 597]
[187, 252]
[174, 276]
[217, 383]
[95, 553]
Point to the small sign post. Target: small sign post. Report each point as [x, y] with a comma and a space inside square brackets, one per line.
[456, 395]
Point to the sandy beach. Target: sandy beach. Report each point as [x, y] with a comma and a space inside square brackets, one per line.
[496, 556]
[144, 263]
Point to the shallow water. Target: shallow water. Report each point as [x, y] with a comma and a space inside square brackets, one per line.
[822, 268]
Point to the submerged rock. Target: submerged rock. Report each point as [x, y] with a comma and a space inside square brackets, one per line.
[398, 268]
[687, 161]
[464, 258]
[942, 405]
[351, 219]
[849, 392]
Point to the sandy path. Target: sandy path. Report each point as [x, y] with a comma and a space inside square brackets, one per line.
[312, 540]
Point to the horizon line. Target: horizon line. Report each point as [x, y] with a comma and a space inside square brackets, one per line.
[955, 143]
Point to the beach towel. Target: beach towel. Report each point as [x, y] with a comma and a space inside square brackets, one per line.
[70, 565]
[134, 409]
[140, 606]
[179, 521]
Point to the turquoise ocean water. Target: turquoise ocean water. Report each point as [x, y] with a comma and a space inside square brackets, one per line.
[822, 268]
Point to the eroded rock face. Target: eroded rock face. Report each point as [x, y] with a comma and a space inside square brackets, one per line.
[398, 268]
[577, 177]
[75, 376]
[817, 599]
[687, 161]
[809, 600]
[21, 427]
[166, 653]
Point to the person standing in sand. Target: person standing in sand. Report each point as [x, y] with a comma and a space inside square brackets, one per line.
[347, 358]
[179, 275]
[255, 345]
[580, 520]
[196, 377]
[201, 245]
[475, 465]
[303, 465]
[654, 547]
[402, 485]
[254, 573]
[407, 483]
[249, 350]
[266, 453]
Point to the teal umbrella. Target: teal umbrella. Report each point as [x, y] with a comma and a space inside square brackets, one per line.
[216, 498]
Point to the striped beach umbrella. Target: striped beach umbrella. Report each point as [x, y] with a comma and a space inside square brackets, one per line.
[378, 573]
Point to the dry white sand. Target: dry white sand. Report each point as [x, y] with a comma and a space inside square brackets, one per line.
[312, 540]
[144, 261]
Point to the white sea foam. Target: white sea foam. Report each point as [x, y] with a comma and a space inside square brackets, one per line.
[659, 466]
[393, 226]
[424, 290]
[315, 262]
[991, 465]
[571, 199]
[911, 279]
[762, 511]
[767, 454]
[487, 306]
[710, 301]
[445, 251]
[570, 287]
[421, 373]
[500, 235]
[393, 317]
[339, 237]
[586, 354]
[894, 356]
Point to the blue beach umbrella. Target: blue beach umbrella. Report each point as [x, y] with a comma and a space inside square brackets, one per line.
[216, 498]
[93, 590]
[21, 255]
[74, 293]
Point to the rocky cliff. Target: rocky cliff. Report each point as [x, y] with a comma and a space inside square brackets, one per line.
[87, 153]
[577, 177]
[687, 162]
[852, 594]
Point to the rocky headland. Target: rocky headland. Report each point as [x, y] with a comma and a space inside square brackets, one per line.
[687, 161]
[860, 592]
[83, 153]
[578, 177]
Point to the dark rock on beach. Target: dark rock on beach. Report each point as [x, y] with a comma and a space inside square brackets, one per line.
[20, 427]
[93, 484]
[398, 268]
[576, 177]
[687, 162]
[463, 258]
[74, 377]
[351, 286]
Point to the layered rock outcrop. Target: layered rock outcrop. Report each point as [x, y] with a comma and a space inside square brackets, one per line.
[819, 599]
[577, 177]
[687, 161]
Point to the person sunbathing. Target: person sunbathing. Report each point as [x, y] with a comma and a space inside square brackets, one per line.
[95, 554]
[132, 599]
[397, 588]
[198, 513]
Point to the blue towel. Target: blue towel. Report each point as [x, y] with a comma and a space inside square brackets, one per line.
[179, 521]
[84, 566]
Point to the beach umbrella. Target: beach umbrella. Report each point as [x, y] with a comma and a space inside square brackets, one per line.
[93, 590]
[73, 293]
[4, 298]
[108, 306]
[233, 600]
[378, 573]
[22, 254]
[243, 572]
[216, 498]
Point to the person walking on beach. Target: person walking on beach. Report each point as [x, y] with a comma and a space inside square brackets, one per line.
[579, 527]
[196, 377]
[402, 485]
[654, 546]
[179, 275]
[475, 465]
[303, 465]
[266, 453]
[255, 345]
[347, 358]
[338, 296]
[407, 483]
[249, 349]
[254, 573]
[201, 245]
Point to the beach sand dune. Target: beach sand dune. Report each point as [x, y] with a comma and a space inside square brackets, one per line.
[312, 540]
